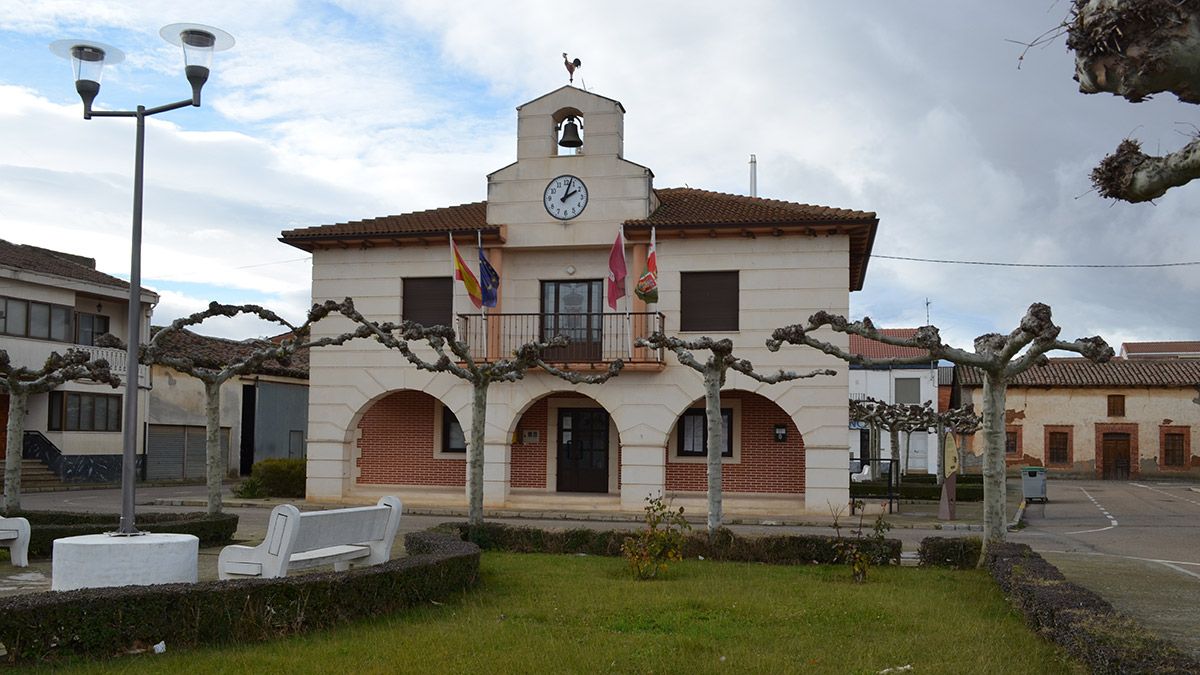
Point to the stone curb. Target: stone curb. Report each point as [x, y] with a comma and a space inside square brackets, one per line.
[1016, 521]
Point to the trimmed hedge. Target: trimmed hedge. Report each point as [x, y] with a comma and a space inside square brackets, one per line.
[960, 553]
[871, 489]
[46, 526]
[1078, 620]
[281, 477]
[103, 622]
[725, 545]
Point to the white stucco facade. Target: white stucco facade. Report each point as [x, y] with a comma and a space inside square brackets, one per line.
[783, 277]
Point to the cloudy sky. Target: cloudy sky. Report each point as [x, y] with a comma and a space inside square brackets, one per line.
[333, 111]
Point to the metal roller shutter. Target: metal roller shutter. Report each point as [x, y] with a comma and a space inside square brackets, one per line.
[165, 446]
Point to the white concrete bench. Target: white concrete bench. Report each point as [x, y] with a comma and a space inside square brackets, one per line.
[14, 533]
[296, 540]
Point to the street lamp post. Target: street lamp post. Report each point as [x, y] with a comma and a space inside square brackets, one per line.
[87, 60]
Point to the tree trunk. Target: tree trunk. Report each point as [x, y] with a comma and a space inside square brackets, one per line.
[475, 454]
[214, 456]
[716, 445]
[995, 525]
[941, 453]
[907, 452]
[13, 451]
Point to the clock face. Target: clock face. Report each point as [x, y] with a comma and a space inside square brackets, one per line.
[565, 197]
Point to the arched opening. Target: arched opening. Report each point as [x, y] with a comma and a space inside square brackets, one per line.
[565, 442]
[764, 450]
[408, 437]
[568, 126]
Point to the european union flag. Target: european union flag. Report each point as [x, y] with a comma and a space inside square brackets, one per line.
[489, 281]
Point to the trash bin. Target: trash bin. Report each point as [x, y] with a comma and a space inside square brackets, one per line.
[1033, 483]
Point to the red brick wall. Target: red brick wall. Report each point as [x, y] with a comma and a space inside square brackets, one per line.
[766, 466]
[529, 460]
[397, 441]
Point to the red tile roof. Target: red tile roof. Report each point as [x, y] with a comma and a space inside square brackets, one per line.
[690, 206]
[212, 352]
[1076, 372]
[680, 210]
[879, 350]
[56, 263]
[1161, 349]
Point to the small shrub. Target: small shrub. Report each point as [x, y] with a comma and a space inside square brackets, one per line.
[859, 553]
[649, 550]
[281, 477]
[961, 553]
[250, 488]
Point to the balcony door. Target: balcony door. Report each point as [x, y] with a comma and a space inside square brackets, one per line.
[573, 309]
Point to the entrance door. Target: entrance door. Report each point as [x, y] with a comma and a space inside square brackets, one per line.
[582, 450]
[1116, 456]
[573, 309]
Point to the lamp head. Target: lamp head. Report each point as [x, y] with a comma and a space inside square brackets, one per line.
[198, 42]
[87, 63]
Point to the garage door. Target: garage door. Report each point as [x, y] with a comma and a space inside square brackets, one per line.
[176, 452]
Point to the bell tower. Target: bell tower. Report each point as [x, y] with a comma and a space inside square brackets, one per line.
[578, 135]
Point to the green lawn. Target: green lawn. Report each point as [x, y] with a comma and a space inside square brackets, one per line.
[543, 613]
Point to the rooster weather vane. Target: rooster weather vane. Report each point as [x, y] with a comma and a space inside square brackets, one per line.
[571, 66]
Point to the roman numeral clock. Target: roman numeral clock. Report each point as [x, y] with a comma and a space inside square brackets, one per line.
[565, 197]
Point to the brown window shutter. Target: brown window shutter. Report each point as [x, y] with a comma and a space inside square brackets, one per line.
[708, 301]
[429, 301]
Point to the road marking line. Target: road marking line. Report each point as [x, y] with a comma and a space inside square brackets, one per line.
[1190, 501]
[1173, 564]
[1111, 520]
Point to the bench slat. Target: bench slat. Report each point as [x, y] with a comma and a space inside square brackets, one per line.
[322, 529]
[251, 569]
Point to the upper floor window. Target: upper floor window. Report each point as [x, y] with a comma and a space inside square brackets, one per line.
[41, 320]
[1116, 405]
[693, 432]
[78, 411]
[88, 327]
[428, 301]
[708, 301]
[908, 390]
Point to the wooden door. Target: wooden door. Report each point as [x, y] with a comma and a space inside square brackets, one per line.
[1115, 448]
[582, 450]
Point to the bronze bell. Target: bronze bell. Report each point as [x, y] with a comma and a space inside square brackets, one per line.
[570, 135]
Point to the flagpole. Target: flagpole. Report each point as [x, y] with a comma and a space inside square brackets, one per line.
[628, 299]
[482, 306]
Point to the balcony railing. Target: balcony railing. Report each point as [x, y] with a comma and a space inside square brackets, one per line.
[118, 362]
[595, 337]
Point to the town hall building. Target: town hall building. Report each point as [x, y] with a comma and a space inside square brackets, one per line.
[730, 266]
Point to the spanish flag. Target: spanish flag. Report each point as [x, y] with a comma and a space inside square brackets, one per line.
[463, 274]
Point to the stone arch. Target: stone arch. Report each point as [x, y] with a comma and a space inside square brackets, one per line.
[398, 439]
[758, 463]
[535, 463]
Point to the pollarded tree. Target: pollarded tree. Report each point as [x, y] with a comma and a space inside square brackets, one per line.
[1000, 357]
[480, 375]
[714, 369]
[20, 383]
[896, 419]
[1135, 49]
[962, 421]
[169, 347]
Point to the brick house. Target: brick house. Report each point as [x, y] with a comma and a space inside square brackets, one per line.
[1117, 420]
[51, 301]
[729, 266]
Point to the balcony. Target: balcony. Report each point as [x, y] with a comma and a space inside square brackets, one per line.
[596, 337]
[33, 353]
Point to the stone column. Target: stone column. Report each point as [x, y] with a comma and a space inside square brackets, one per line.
[497, 459]
[643, 473]
[826, 478]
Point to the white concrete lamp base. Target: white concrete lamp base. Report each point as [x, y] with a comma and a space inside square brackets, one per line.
[101, 560]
